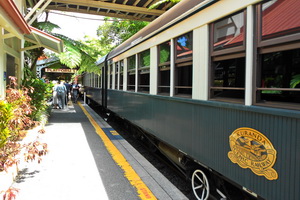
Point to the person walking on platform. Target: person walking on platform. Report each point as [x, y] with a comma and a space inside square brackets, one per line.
[61, 91]
[75, 92]
[54, 95]
[68, 86]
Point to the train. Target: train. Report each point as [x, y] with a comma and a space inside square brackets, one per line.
[215, 86]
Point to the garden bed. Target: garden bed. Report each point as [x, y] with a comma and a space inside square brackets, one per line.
[8, 176]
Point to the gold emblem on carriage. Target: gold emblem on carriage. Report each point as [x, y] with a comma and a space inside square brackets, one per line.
[251, 149]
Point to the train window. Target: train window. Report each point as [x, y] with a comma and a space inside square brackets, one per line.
[278, 70]
[164, 68]
[100, 81]
[183, 81]
[96, 80]
[183, 65]
[110, 71]
[228, 59]
[144, 71]
[228, 33]
[280, 77]
[164, 53]
[228, 79]
[131, 73]
[116, 75]
[121, 74]
[279, 18]
[184, 46]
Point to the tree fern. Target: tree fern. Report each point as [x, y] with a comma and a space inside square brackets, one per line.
[75, 53]
[48, 27]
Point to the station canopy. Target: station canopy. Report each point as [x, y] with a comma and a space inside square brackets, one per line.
[15, 25]
[125, 9]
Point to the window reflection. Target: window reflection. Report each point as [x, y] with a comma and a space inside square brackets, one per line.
[279, 18]
[184, 46]
[164, 68]
[121, 74]
[229, 78]
[164, 52]
[144, 71]
[229, 32]
[281, 70]
[131, 73]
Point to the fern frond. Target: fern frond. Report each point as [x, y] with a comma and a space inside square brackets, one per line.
[295, 81]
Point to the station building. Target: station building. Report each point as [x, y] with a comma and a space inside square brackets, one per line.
[15, 29]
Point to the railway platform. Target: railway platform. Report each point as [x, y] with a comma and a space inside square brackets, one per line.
[88, 159]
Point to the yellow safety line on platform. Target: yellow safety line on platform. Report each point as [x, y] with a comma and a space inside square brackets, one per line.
[143, 191]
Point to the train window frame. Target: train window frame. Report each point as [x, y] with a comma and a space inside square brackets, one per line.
[116, 74]
[131, 72]
[95, 80]
[183, 66]
[230, 50]
[110, 72]
[121, 74]
[164, 71]
[274, 40]
[274, 45]
[190, 55]
[225, 55]
[144, 71]
[98, 76]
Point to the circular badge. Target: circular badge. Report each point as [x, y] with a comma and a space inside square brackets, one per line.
[251, 149]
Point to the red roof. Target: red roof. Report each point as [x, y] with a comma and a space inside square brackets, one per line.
[238, 40]
[44, 33]
[13, 12]
[280, 17]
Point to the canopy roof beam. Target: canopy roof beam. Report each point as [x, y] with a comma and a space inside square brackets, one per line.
[36, 11]
[132, 10]
[112, 6]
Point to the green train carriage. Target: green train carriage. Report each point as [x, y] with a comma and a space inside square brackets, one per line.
[215, 85]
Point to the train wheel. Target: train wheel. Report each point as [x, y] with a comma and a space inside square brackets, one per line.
[200, 185]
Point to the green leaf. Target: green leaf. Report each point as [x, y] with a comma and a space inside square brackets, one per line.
[295, 81]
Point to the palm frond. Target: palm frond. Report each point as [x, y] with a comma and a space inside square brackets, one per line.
[46, 26]
[70, 57]
[74, 55]
[295, 81]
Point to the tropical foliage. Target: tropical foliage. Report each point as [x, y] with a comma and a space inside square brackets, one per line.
[75, 53]
[31, 56]
[92, 46]
[295, 81]
[19, 100]
[5, 117]
[115, 31]
[15, 118]
[39, 98]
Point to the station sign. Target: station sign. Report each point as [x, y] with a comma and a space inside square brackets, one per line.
[60, 70]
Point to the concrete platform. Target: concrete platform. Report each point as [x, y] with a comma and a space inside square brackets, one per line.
[81, 165]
